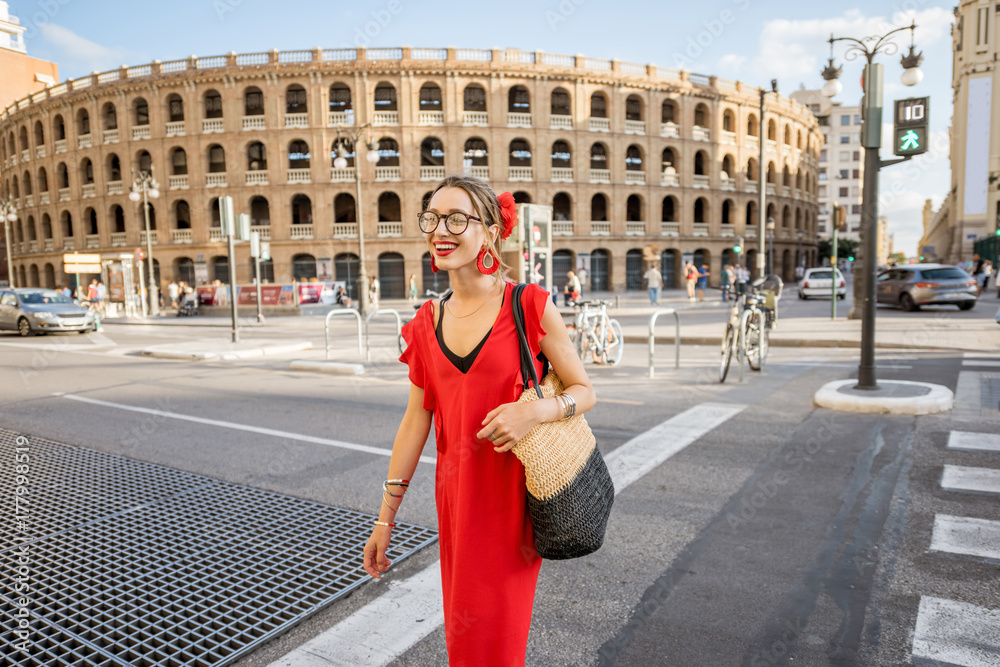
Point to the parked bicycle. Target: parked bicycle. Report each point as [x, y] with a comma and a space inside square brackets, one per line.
[751, 319]
[593, 332]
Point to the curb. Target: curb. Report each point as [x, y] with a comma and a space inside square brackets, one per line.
[224, 355]
[939, 399]
[788, 342]
[338, 367]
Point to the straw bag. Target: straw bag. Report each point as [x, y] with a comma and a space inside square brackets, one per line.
[570, 491]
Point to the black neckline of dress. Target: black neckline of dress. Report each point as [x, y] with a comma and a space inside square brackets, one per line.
[463, 364]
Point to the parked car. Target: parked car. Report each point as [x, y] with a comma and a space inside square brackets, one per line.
[916, 285]
[30, 310]
[816, 282]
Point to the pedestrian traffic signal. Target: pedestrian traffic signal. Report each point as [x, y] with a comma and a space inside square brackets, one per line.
[851, 258]
[997, 232]
[911, 126]
[921, 258]
[738, 247]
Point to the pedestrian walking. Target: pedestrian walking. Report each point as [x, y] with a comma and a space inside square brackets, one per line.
[173, 291]
[799, 272]
[573, 288]
[690, 278]
[581, 274]
[374, 291]
[978, 271]
[101, 293]
[654, 282]
[702, 281]
[726, 281]
[413, 288]
[464, 368]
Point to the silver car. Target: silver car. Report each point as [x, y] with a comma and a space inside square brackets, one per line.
[915, 285]
[33, 310]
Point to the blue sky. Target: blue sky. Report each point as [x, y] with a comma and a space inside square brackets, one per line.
[750, 40]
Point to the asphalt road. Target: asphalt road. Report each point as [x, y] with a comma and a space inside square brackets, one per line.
[786, 535]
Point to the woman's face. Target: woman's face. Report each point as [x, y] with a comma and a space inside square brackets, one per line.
[451, 251]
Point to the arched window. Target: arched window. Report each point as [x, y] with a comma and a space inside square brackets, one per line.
[772, 130]
[301, 210]
[144, 160]
[474, 98]
[771, 172]
[66, 223]
[633, 158]
[518, 100]
[175, 108]
[347, 148]
[63, 175]
[598, 156]
[182, 215]
[668, 113]
[213, 210]
[728, 163]
[59, 128]
[220, 268]
[633, 108]
[699, 163]
[752, 127]
[213, 104]
[346, 269]
[87, 171]
[110, 116]
[430, 97]
[303, 267]
[751, 218]
[520, 153]
[728, 120]
[39, 133]
[47, 226]
[562, 207]
[786, 216]
[700, 210]
[599, 208]
[561, 155]
[340, 98]
[118, 215]
[256, 157]
[114, 168]
[343, 208]
[669, 158]
[216, 159]
[598, 106]
[391, 275]
[296, 100]
[385, 97]
[786, 177]
[141, 110]
[388, 151]
[633, 269]
[298, 155]
[431, 152]
[260, 211]
[389, 209]
[475, 154]
[633, 208]
[82, 124]
[43, 180]
[727, 212]
[560, 103]
[90, 219]
[178, 162]
[798, 139]
[253, 102]
[701, 115]
[752, 171]
[788, 136]
[600, 270]
[27, 184]
[669, 209]
[31, 229]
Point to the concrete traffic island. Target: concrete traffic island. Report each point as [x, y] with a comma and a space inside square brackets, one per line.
[895, 397]
[337, 367]
[225, 350]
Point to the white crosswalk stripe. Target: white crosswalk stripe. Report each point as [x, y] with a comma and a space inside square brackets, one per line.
[987, 442]
[956, 633]
[973, 480]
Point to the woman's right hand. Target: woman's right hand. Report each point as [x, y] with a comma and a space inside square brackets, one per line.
[376, 563]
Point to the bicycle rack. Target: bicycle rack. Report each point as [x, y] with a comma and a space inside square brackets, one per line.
[399, 329]
[677, 336]
[326, 327]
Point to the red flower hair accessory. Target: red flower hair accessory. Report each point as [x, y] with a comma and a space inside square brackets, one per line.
[508, 211]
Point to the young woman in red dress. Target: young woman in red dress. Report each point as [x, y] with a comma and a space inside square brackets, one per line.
[465, 375]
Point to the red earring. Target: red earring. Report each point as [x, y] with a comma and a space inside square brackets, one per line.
[434, 267]
[484, 257]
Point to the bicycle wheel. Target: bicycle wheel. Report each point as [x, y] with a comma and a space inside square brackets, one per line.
[753, 332]
[614, 345]
[728, 343]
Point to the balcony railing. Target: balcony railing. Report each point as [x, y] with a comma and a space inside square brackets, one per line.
[727, 230]
[263, 231]
[253, 123]
[302, 231]
[209, 125]
[699, 229]
[296, 120]
[69, 244]
[430, 172]
[670, 130]
[635, 127]
[83, 141]
[562, 228]
[63, 194]
[345, 175]
[557, 122]
[700, 180]
[699, 133]
[772, 145]
[786, 191]
[750, 232]
[29, 200]
[40, 151]
[477, 118]
[217, 180]
[142, 237]
[32, 246]
[176, 128]
[479, 171]
[519, 173]
[215, 234]
[752, 144]
[341, 118]
[182, 235]
[600, 124]
[60, 146]
[635, 178]
[48, 244]
[786, 233]
[729, 137]
[751, 186]
[140, 132]
[600, 228]
[25, 155]
[388, 173]
[111, 136]
[670, 228]
[345, 230]
[117, 239]
[300, 175]
[771, 189]
[44, 198]
[600, 175]
[385, 118]
[179, 182]
[89, 190]
[670, 180]
[430, 118]
[93, 241]
[727, 184]
[515, 119]
[562, 174]
[390, 229]
[115, 188]
[635, 228]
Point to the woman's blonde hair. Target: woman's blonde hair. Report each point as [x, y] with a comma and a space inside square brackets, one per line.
[486, 206]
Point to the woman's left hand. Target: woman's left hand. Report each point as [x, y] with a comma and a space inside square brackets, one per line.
[508, 423]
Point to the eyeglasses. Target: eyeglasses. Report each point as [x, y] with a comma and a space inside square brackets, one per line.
[455, 223]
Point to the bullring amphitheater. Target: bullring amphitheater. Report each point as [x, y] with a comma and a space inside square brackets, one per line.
[636, 161]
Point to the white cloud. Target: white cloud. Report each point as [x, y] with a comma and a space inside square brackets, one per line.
[730, 65]
[78, 54]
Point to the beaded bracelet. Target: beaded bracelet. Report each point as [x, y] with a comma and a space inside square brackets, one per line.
[383, 523]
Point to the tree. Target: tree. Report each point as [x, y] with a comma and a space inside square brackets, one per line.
[845, 248]
[897, 258]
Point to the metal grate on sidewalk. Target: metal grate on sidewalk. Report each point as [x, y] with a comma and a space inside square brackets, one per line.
[132, 563]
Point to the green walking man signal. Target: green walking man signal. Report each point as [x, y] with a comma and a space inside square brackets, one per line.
[910, 129]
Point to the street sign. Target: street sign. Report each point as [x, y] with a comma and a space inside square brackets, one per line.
[911, 131]
[226, 215]
[265, 250]
[82, 268]
[255, 244]
[243, 227]
[76, 258]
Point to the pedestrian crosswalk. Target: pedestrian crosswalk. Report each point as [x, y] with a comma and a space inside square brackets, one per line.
[950, 631]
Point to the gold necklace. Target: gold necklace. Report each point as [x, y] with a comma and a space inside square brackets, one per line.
[447, 304]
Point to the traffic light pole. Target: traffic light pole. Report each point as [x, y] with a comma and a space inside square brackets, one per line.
[833, 267]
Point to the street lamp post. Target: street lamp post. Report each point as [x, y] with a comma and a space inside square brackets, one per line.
[871, 140]
[770, 247]
[145, 187]
[349, 138]
[762, 185]
[9, 214]
[798, 253]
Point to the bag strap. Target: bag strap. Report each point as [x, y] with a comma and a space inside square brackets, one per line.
[527, 363]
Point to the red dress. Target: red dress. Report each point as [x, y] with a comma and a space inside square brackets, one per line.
[489, 566]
